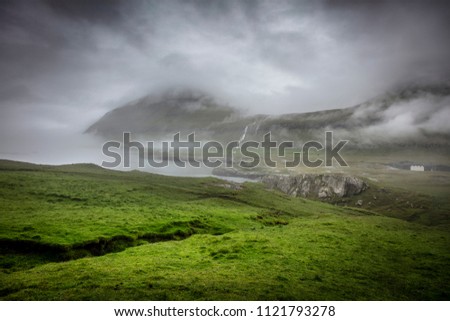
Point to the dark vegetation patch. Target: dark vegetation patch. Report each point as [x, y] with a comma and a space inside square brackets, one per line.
[37, 253]
[272, 217]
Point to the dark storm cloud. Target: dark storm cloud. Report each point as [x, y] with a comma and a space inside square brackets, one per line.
[99, 11]
[65, 63]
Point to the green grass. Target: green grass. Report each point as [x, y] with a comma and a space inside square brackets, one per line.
[79, 232]
[414, 196]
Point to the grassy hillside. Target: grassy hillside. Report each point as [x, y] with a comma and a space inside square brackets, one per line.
[80, 232]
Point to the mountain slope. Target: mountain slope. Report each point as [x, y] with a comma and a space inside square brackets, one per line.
[158, 116]
[414, 115]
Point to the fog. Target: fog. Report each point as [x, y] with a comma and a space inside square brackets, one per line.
[407, 120]
[63, 64]
[410, 118]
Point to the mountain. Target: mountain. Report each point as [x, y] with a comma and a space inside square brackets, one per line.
[412, 115]
[158, 116]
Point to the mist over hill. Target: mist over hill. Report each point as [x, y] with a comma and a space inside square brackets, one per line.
[239, 68]
[408, 116]
[175, 110]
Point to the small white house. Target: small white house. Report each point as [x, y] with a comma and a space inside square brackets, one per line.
[417, 168]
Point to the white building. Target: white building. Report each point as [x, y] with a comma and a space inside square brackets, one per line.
[417, 168]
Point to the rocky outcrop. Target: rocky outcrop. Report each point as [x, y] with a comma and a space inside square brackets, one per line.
[316, 185]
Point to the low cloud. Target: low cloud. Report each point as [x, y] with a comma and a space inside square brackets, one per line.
[63, 64]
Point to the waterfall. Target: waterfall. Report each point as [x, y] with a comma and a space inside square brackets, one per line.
[243, 135]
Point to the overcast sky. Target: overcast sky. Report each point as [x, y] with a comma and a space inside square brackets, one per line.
[63, 64]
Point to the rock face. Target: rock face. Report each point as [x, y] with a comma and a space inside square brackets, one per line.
[316, 186]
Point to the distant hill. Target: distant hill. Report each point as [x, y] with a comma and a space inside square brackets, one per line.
[165, 114]
[408, 116]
